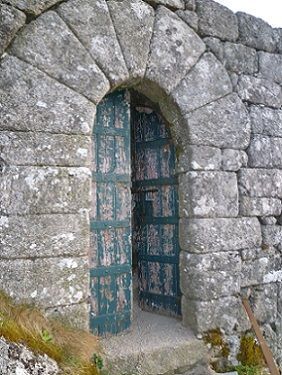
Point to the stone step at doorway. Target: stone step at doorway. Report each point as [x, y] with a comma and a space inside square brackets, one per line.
[155, 345]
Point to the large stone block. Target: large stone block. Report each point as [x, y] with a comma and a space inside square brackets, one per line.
[239, 58]
[224, 123]
[264, 304]
[260, 206]
[265, 152]
[261, 271]
[201, 263]
[49, 44]
[48, 282]
[272, 235]
[270, 66]
[215, 235]
[208, 194]
[227, 313]
[30, 100]
[39, 190]
[175, 48]
[256, 33]
[76, 315]
[205, 83]
[233, 160]
[11, 20]
[259, 91]
[30, 148]
[216, 20]
[261, 182]
[91, 20]
[209, 285]
[209, 276]
[133, 21]
[199, 158]
[266, 121]
[44, 235]
[34, 7]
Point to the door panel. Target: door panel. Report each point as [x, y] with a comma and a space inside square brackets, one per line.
[155, 213]
[110, 252]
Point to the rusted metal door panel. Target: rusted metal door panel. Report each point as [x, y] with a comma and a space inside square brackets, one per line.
[110, 252]
[155, 214]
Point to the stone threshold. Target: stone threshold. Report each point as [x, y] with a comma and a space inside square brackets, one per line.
[155, 345]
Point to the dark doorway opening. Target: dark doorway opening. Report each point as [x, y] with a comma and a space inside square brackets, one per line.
[155, 245]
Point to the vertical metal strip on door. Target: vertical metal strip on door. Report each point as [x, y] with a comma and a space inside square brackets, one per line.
[155, 215]
[110, 253]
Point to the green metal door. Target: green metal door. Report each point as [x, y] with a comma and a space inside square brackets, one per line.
[155, 213]
[110, 253]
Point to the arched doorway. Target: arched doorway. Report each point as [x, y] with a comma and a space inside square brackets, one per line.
[134, 224]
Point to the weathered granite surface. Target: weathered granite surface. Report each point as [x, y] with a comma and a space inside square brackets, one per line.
[58, 52]
[11, 20]
[175, 48]
[216, 78]
[17, 359]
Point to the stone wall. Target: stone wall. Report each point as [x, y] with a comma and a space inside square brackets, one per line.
[216, 77]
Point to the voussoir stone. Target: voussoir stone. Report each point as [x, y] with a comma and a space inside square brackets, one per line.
[206, 82]
[39, 190]
[91, 22]
[220, 234]
[208, 194]
[266, 121]
[216, 20]
[199, 158]
[49, 44]
[223, 123]
[30, 100]
[173, 4]
[50, 282]
[175, 48]
[256, 33]
[265, 152]
[34, 7]
[260, 182]
[259, 91]
[270, 66]
[11, 20]
[260, 206]
[44, 235]
[133, 21]
[30, 148]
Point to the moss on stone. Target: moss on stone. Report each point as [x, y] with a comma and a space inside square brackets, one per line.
[215, 339]
[250, 353]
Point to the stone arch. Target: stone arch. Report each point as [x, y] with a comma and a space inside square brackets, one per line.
[57, 69]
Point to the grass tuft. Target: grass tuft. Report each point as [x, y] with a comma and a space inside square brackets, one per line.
[72, 349]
